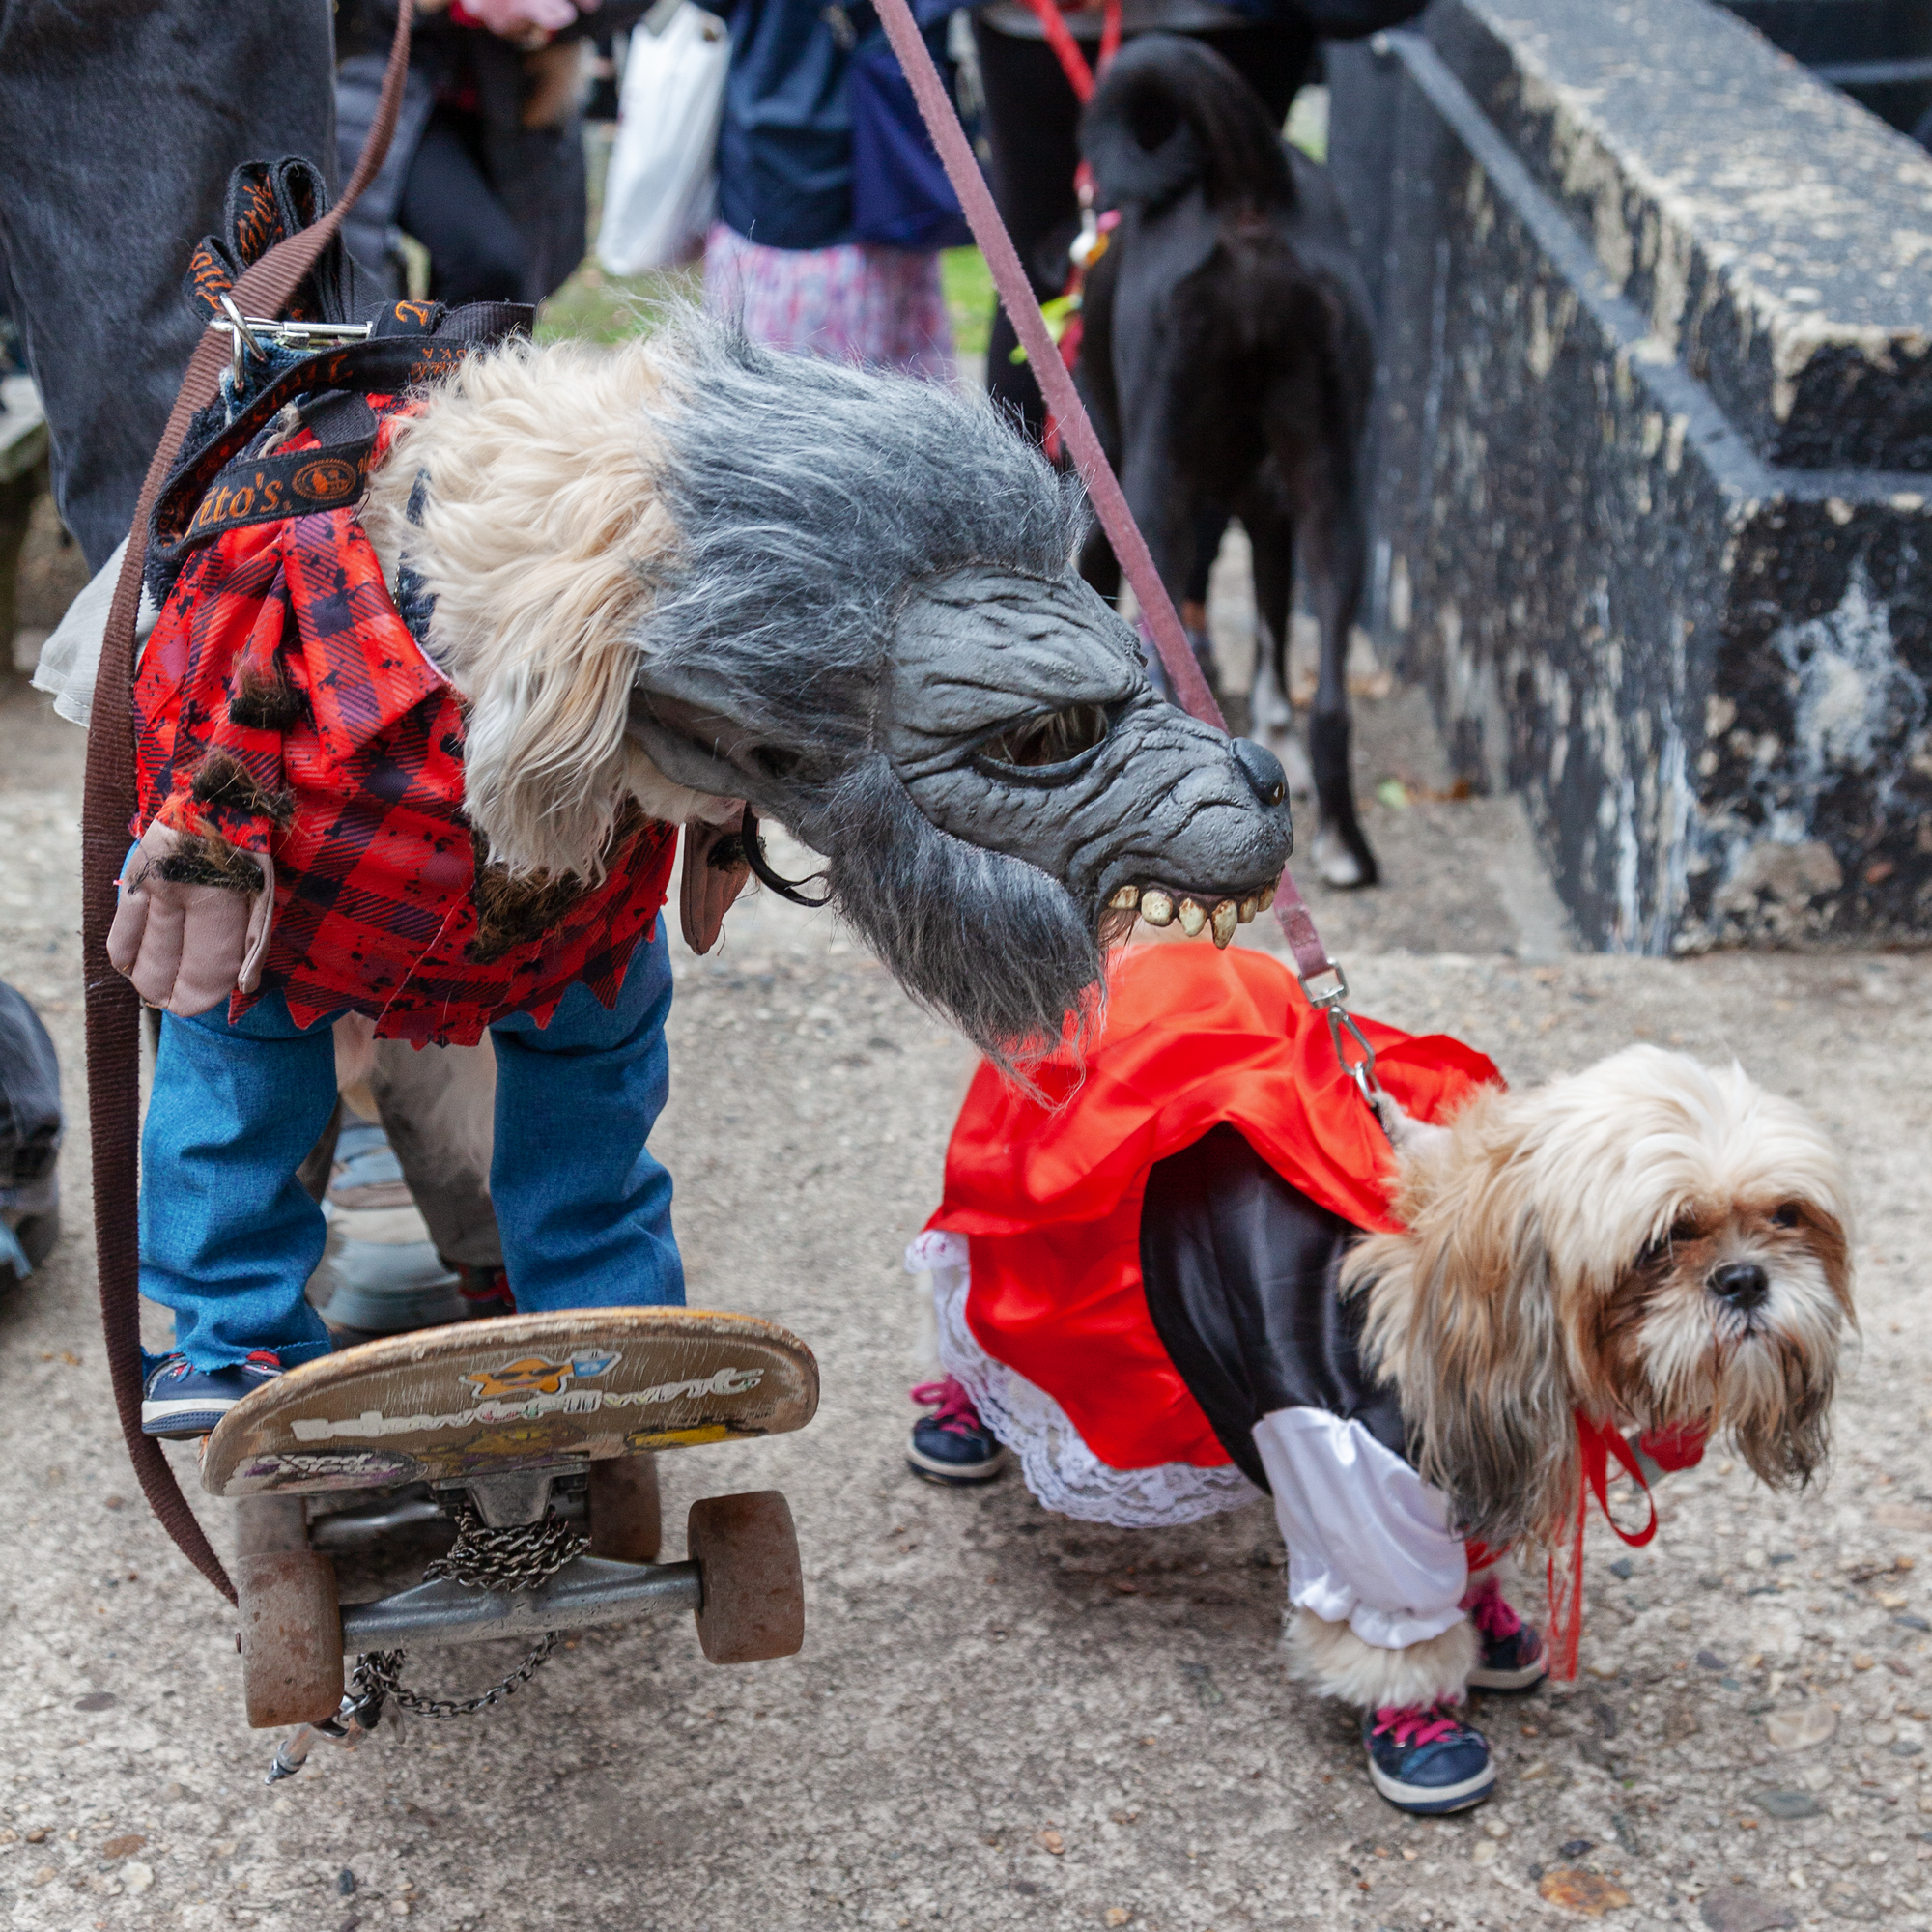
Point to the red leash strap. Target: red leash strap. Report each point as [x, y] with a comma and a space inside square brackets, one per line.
[110, 803]
[1066, 50]
[1595, 1445]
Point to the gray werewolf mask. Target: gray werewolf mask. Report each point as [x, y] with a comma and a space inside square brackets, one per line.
[848, 598]
[876, 635]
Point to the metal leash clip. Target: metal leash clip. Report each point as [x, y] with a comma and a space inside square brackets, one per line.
[246, 332]
[1334, 1002]
[362, 1710]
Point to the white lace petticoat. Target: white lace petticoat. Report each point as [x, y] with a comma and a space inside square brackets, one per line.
[1059, 1468]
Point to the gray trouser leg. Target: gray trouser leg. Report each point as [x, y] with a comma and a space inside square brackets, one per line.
[120, 122]
[436, 1110]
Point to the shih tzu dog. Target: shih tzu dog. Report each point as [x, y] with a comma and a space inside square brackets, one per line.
[1206, 1270]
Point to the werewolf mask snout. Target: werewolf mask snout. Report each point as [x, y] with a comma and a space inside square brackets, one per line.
[1652, 1244]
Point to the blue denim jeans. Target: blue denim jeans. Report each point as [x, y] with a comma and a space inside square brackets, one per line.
[229, 1237]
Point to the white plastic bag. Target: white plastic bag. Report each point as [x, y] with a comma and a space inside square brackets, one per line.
[663, 181]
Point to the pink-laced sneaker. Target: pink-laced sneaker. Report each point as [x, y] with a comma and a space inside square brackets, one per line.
[951, 1445]
[1424, 1758]
[1513, 1657]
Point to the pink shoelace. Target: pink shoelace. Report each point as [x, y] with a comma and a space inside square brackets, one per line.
[1411, 1724]
[954, 1406]
[1490, 1612]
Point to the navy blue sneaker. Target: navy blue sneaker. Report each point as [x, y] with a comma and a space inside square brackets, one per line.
[951, 1445]
[1425, 1759]
[1513, 1656]
[179, 1403]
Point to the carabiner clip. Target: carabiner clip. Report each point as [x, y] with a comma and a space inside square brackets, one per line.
[1334, 1002]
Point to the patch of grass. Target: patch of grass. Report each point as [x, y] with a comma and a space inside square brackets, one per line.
[968, 286]
[595, 308]
[1308, 123]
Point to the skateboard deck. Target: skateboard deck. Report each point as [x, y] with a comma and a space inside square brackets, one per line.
[515, 1392]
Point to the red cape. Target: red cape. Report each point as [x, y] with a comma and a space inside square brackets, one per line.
[1051, 1195]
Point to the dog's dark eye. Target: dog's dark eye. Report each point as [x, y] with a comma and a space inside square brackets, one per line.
[1039, 744]
[1679, 1231]
[1787, 1214]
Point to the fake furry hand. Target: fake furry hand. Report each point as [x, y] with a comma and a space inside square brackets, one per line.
[187, 945]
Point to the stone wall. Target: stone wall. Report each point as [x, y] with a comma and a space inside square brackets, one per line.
[1651, 455]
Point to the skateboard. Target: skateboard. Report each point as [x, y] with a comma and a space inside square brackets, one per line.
[534, 1435]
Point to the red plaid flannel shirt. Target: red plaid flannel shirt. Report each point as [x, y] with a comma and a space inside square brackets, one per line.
[375, 866]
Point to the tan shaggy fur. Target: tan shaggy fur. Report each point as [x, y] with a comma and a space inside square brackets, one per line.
[1334, 1662]
[540, 537]
[1558, 1251]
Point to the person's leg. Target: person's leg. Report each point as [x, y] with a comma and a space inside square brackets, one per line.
[229, 1236]
[1030, 120]
[583, 1205]
[475, 250]
[1273, 57]
[120, 124]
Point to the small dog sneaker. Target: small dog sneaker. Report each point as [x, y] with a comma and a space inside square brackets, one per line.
[179, 1402]
[951, 1445]
[1425, 1759]
[1513, 1656]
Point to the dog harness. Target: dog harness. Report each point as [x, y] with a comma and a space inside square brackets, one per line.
[284, 707]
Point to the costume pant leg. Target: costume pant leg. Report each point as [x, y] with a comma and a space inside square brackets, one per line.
[584, 1206]
[229, 1236]
[120, 122]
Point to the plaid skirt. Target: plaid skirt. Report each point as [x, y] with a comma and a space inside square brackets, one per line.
[855, 302]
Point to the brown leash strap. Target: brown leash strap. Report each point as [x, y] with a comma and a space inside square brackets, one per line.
[110, 803]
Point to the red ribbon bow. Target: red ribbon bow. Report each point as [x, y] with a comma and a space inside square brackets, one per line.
[1597, 1442]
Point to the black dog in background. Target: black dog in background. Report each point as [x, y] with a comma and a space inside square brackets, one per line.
[1226, 357]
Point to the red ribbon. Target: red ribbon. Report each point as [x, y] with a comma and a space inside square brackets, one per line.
[1597, 1442]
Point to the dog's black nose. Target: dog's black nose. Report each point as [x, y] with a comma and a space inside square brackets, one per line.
[1743, 1284]
[1263, 770]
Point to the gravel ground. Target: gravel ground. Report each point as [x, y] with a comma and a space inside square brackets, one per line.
[1001, 1717]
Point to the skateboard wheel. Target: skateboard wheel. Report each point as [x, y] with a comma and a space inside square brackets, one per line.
[290, 1637]
[626, 1515]
[753, 1604]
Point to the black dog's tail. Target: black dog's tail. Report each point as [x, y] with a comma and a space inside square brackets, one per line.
[1171, 114]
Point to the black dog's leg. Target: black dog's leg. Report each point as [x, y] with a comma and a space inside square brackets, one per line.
[1264, 516]
[1336, 556]
[1165, 508]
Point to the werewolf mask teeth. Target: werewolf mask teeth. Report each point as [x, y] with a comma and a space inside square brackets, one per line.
[1159, 907]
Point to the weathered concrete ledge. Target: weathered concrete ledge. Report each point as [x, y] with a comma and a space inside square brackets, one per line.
[1650, 456]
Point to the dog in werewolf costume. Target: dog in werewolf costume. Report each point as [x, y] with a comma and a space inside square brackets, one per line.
[423, 758]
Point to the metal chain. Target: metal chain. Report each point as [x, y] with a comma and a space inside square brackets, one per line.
[379, 1672]
[522, 1556]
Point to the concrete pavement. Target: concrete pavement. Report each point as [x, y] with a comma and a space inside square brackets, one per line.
[1003, 1719]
